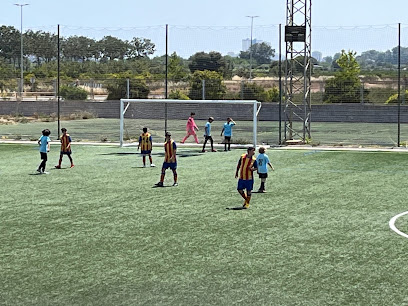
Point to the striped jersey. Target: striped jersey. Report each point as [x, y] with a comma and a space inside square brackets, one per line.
[169, 150]
[65, 141]
[145, 141]
[245, 164]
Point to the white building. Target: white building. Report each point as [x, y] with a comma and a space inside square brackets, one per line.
[317, 55]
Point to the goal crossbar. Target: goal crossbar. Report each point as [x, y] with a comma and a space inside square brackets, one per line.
[256, 108]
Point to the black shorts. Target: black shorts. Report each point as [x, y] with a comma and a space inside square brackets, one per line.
[263, 175]
[227, 138]
[43, 156]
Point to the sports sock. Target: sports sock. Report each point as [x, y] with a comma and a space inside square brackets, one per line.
[162, 177]
[144, 160]
[244, 196]
[150, 159]
[175, 176]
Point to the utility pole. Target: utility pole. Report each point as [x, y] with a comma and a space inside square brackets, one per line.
[250, 48]
[21, 50]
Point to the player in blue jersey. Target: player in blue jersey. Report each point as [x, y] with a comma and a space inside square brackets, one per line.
[227, 130]
[44, 143]
[207, 135]
[263, 161]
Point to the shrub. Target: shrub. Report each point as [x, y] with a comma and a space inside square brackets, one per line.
[253, 91]
[118, 89]
[394, 98]
[214, 85]
[73, 93]
[178, 95]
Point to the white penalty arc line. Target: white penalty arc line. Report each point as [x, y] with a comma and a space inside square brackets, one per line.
[394, 228]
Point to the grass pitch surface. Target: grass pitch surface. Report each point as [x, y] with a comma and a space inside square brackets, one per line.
[323, 133]
[99, 234]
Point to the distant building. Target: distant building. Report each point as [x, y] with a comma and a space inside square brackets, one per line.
[232, 54]
[246, 43]
[317, 55]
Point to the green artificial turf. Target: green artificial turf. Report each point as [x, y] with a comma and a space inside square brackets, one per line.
[99, 234]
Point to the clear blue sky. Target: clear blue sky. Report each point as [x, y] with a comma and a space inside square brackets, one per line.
[134, 13]
[45, 14]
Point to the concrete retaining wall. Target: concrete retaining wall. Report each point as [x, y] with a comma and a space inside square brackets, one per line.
[269, 111]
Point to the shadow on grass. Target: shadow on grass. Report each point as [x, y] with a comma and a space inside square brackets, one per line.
[236, 208]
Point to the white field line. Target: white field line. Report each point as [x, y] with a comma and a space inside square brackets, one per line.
[394, 228]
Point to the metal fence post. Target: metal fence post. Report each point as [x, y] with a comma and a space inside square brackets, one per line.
[203, 85]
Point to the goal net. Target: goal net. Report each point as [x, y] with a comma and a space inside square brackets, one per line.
[161, 115]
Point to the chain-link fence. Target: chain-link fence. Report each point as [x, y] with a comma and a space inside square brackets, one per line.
[106, 64]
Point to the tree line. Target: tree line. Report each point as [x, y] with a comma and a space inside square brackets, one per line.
[113, 58]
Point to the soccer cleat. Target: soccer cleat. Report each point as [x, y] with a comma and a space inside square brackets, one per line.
[59, 167]
[39, 170]
[152, 165]
[175, 184]
[44, 172]
[261, 191]
[213, 150]
[203, 151]
[72, 166]
[245, 206]
[159, 184]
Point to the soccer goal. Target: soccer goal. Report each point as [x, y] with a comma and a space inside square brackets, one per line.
[166, 110]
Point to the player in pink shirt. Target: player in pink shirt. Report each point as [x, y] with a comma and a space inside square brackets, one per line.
[191, 128]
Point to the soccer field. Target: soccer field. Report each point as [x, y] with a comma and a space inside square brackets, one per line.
[99, 234]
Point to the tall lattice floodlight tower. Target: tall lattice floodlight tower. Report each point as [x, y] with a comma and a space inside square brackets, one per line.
[298, 70]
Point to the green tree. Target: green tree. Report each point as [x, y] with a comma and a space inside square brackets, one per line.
[41, 45]
[345, 87]
[212, 61]
[113, 48]
[262, 53]
[78, 48]
[214, 86]
[117, 89]
[177, 70]
[141, 47]
[9, 44]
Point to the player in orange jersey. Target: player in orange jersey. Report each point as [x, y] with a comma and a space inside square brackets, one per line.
[146, 143]
[246, 166]
[65, 148]
[170, 150]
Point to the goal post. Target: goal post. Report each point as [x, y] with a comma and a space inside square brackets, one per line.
[125, 103]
